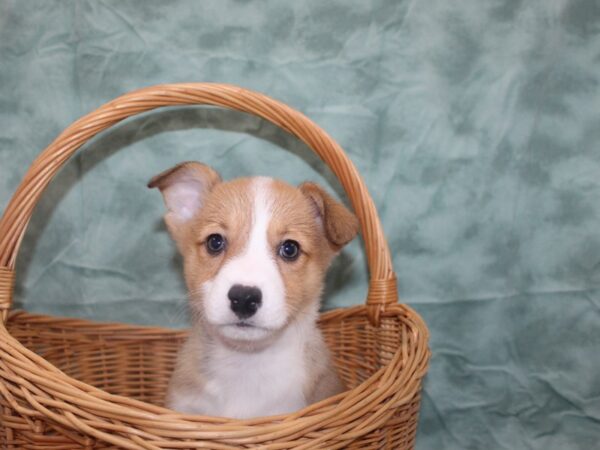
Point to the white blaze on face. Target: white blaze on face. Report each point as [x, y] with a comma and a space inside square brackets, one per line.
[254, 266]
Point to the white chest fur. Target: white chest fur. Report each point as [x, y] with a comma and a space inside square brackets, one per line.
[249, 384]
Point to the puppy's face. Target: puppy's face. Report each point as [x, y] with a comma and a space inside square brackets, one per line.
[255, 250]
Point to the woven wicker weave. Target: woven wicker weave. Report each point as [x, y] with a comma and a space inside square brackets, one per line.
[69, 383]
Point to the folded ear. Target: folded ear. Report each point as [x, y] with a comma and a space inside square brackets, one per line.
[340, 225]
[184, 189]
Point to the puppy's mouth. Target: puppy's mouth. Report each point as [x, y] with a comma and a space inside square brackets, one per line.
[244, 331]
[243, 324]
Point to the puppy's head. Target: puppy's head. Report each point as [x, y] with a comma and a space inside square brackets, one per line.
[255, 250]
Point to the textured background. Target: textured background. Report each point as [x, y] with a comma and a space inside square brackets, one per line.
[475, 124]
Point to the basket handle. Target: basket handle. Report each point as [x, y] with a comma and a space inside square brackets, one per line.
[382, 284]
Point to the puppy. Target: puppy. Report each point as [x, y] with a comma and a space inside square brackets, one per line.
[255, 253]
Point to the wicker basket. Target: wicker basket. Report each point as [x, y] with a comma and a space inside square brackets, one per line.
[69, 383]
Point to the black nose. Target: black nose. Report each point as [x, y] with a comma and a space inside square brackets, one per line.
[245, 300]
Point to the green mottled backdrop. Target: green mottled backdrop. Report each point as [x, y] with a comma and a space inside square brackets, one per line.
[476, 125]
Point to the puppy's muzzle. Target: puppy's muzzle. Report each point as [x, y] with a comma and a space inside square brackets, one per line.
[245, 300]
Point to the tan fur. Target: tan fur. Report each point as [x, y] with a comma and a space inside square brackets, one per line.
[323, 381]
[200, 266]
[186, 379]
[340, 224]
[293, 218]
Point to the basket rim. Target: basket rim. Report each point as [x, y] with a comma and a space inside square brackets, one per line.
[177, 425]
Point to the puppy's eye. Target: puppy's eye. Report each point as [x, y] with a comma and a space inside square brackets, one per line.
[215, 244]
[289, 250]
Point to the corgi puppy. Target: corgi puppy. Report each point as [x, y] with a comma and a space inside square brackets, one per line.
[255, 252]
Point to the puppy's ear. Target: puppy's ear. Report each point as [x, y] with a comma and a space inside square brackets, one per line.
[340, 225]
[184, 189]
